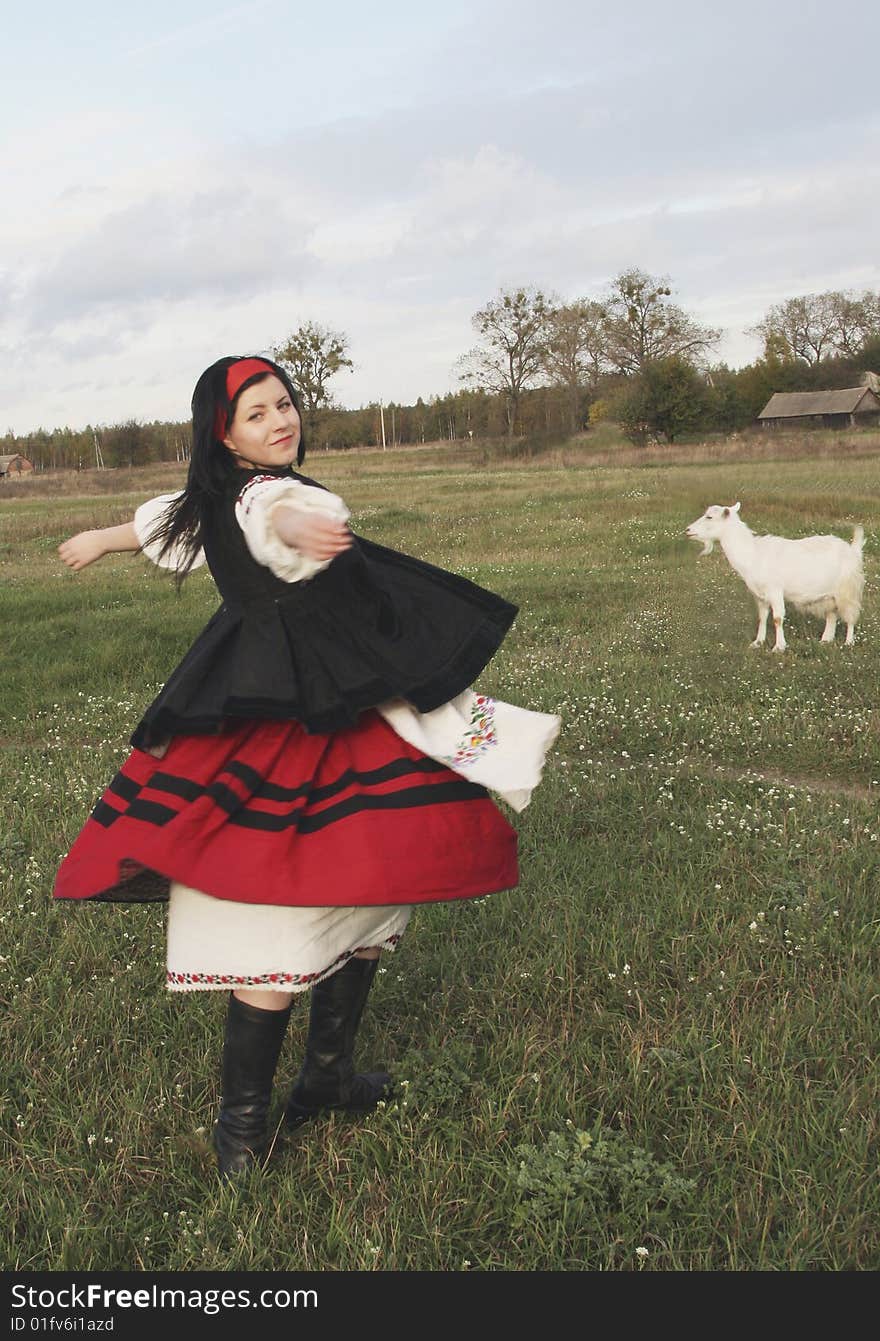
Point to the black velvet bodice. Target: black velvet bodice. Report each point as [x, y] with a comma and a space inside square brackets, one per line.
[374, 625]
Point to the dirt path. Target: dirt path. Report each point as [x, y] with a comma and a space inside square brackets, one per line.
[724, 773]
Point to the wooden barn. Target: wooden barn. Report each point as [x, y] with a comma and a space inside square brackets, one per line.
[14, 465]
[855, 406]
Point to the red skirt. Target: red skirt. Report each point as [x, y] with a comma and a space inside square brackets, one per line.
[267, 813]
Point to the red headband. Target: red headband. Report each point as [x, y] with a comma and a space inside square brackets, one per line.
[236, 375]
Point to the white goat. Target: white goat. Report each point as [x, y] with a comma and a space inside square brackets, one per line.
[821, 574]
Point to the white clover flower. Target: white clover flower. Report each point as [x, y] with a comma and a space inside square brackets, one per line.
[642, 1252]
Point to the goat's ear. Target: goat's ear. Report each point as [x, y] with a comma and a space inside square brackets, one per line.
[736, 507]
[726, 512]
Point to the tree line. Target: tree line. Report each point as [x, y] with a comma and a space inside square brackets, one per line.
[544, 366]
[635, 356]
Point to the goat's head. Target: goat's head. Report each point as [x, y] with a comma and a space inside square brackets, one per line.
[710, 527]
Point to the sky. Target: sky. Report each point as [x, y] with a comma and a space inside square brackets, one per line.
[187, 180]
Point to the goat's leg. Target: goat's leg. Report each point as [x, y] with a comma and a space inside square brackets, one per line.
[777, 604]
[830, 627]
[850, 633]
[763, 612]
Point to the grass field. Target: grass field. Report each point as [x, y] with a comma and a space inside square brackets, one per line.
[658, 1052]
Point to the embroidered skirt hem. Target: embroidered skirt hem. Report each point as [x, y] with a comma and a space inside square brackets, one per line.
[219, 945]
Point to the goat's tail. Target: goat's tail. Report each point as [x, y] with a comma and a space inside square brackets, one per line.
[851, 586]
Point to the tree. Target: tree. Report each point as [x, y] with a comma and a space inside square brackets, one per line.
[668, 396]
[510, 359]
[642, 325]
[313, 354]
[815, 326]
[574, 351]
[126, 444]
[870, 354]
[728, 407]
[800, 328]
[858, 321]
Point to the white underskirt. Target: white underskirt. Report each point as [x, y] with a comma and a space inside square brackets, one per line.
[216, 945]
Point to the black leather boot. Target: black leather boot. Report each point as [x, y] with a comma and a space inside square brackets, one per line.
[328, 1079]
[251, 1046]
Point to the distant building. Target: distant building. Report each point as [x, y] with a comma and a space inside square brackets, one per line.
[855, 406]
[14, 465]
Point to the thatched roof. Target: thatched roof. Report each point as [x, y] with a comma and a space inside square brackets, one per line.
[5, 460]
[797, 404]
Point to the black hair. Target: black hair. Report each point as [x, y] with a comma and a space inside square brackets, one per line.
[211, 463]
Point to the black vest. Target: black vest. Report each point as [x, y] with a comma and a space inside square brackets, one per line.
[374, 625]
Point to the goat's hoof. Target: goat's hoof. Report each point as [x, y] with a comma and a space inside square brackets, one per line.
[756, 643]
[780, 649]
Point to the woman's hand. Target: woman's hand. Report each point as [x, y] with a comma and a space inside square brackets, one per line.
[315, 536]
[81, 550]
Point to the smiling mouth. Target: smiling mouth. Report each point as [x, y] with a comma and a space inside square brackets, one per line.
[279, 441]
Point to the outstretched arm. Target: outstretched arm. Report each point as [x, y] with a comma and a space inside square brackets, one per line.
[315, 535]
[82, 549]
[291, 527]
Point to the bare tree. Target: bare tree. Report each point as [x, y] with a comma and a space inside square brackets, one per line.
[313, 354]
[815, 326]
[801, 328]
[642, 325]
[512, 329]
[858, 321]
[574, 350]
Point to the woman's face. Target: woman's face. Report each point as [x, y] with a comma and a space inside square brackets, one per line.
[265, 428]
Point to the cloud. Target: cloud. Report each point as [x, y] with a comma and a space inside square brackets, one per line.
[352, 238]
[165, 249]
[720, 147]
[215, 27]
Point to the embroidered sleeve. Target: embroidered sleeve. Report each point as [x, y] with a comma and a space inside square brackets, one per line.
[495, 744]
[254, 508]
[146, 519]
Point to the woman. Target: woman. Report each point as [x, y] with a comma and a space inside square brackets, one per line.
[315, 765]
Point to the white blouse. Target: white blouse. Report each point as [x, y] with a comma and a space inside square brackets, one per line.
[495, 744]
[255, 507]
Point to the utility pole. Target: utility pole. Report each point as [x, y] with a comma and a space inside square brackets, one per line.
[99, 456]
[382, 418]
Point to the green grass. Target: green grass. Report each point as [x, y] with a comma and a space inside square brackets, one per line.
[664, 1038]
